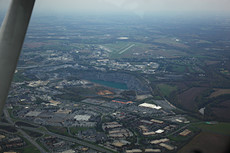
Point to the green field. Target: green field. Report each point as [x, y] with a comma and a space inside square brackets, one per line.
[75, 130]
[58, 130]
[30, 149]
[220, 128]
[117, 46]
[179, 69]
[178, 138]
[207, 142]
[126, 49]
[166, 89]
[171, 42]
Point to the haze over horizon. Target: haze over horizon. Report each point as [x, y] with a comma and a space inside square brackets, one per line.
[138, 7]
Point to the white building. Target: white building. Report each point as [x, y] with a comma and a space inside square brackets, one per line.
[82, 117]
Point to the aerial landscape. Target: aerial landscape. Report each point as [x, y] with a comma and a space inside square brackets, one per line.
[120, 83]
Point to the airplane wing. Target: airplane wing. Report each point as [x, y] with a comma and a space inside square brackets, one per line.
[12, 34]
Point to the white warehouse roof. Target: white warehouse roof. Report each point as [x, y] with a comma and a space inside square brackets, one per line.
[150, 106]
[82, 117]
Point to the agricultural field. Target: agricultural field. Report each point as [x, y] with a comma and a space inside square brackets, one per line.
[207, 142]
[166, 89]
[129, 49]
[214, 138]
[187, 98]
[126, 49]
[221, 110]
[214, 127]
[171, 42]
[219, 92]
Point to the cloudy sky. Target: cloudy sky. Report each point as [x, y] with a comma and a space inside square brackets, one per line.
[135, 6]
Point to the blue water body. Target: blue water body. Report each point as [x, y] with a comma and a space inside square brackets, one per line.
[111, 84]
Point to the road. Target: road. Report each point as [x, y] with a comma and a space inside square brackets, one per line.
[25, 135]
[32, 141]
[178, 130]
[149, 84]
[75, 140]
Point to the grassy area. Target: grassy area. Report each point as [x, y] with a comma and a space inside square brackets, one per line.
[179, 69]
[33, 134]
[177, 138]
[40, 144]
[18, 77]
[191, 70]
[121, 49]
[22, 123]
[42, 129]
[166, 89]
[117, 53]
[193, 119]
[207, 142]
[220, 128]
[75, 130]
[11, 114]
[58, 130]
[171, 42]
[30, 149]
[157, 97]
[116, 47]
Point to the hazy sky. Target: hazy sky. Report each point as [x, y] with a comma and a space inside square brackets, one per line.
[139, 7]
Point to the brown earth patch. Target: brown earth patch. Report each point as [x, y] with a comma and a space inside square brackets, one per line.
[222, 112]
[187, 98]
[206, 142]
[211, 62]
[34, 44]
[105, 92]
[219, 92]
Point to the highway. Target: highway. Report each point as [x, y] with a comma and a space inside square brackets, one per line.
[71, 139]
[75, 140]
[32, 141]
[23, 133]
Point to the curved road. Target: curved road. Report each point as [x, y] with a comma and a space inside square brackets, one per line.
[25, 135]
[92, 146]
[68, 139]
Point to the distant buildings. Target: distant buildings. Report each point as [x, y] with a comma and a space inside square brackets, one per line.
[134, 151]
[159, 141]
[185, 132]
[9, 142]
[32, 114]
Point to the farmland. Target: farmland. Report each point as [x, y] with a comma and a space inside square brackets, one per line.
[219, 92]
[221, 110]
[207, 142]
[187, 98]
[166, 89]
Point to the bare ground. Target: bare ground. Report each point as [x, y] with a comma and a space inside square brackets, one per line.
[206, 142]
